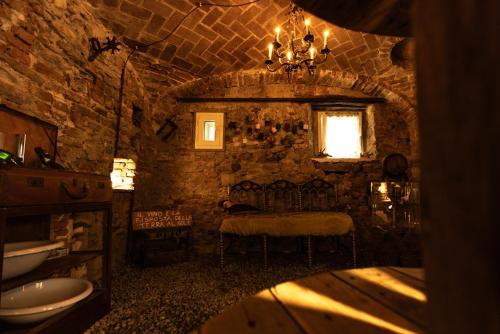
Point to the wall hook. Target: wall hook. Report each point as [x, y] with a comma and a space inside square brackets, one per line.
[96, 49]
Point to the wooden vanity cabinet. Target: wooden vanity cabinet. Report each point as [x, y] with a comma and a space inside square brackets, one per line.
[26, 192]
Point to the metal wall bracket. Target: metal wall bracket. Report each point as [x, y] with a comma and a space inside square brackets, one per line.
[96, 49]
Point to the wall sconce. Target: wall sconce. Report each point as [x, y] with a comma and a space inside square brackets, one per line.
[96, 49]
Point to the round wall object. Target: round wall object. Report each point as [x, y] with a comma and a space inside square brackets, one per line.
[395, 165]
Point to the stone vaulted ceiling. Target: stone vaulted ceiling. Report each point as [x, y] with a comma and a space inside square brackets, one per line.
[214, 40]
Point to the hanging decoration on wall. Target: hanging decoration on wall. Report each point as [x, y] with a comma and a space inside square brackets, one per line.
[395, 167]
[167, 129]
[268, 132]
[96, 49]
[322, 154]
[297, 52]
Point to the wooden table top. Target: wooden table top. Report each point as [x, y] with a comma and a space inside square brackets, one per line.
[369, 300]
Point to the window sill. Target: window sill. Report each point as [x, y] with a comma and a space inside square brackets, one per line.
[335, 160]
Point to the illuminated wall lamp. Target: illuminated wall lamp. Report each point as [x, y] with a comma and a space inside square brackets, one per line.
[122, 176]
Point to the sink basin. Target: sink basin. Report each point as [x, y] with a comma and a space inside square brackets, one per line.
[21, 257]
[40, 300]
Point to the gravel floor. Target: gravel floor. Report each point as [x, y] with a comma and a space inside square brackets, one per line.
[180, 297]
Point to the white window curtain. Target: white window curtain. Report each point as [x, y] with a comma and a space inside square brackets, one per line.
[340, 134]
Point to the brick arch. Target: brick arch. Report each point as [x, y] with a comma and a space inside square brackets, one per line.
[216, 40]
[251, 82]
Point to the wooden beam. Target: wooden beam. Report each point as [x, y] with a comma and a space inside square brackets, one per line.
[312, 99]
[458, 86]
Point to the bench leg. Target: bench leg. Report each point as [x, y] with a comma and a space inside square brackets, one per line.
[265, 250]
[309, 251]
[354, 248]
[221, 245]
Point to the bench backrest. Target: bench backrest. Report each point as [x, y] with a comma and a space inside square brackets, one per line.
[286, 196]
[248, 192]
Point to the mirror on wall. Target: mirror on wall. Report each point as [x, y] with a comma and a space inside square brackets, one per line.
[395, 204]
[21, 134]
[13, 143]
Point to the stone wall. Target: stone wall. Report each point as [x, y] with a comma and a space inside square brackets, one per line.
[197, 181]
[44, 72]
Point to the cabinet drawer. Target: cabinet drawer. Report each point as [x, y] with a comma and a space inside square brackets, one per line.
[26, 186]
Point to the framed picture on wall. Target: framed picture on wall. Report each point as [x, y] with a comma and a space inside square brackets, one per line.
[209, 130]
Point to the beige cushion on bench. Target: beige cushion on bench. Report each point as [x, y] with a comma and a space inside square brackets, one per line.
[289, 224]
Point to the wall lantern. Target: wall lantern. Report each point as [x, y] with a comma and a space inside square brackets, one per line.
[122, 176]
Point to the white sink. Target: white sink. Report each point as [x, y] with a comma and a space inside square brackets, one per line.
[21, 257]
[40, 300]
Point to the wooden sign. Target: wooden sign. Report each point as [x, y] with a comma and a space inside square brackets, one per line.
[145, 220]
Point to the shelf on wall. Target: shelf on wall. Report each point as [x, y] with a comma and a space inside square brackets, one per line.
[55, 208]
[51, 266]
[73, 320]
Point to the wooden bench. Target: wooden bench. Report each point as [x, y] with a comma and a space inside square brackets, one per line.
[287, 209]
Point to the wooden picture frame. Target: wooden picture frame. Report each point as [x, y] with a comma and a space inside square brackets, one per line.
[209, 131]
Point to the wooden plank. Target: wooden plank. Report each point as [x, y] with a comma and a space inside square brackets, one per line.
[399, 292]
[34, 210]
[50, 267]
[417, 273]
[106, 247]
[325, 304]
[312, 99]
[3, 221]
[260, 313]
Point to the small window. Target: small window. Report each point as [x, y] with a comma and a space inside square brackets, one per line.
[340, 134]
[209, 131]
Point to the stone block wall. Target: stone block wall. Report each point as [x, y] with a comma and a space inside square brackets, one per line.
[44, 72]
[196, 181]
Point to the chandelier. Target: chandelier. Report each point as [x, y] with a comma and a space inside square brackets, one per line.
[297, 52]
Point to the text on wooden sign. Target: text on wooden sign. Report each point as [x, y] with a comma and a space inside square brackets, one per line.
[143, 220]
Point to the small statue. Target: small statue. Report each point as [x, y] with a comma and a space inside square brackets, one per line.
[322, 154]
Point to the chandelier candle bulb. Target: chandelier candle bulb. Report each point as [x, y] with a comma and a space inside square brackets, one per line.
[296, 53]
[307, 22]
